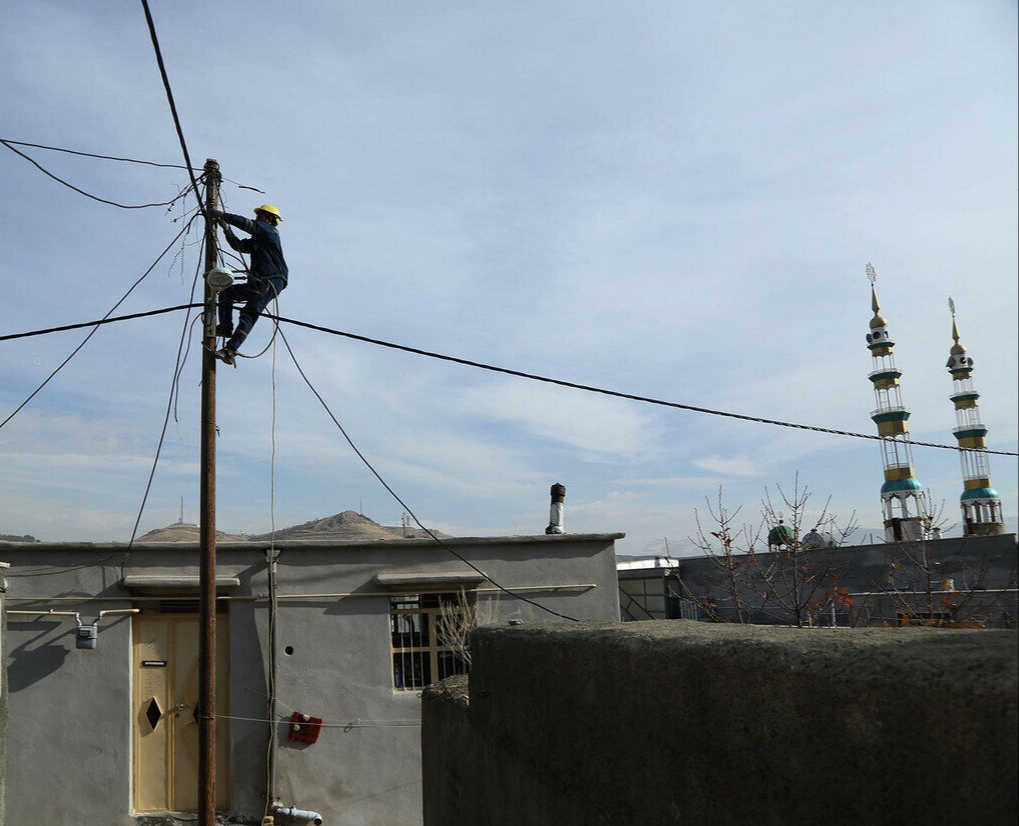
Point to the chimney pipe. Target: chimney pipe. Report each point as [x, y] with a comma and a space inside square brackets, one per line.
[555, 517]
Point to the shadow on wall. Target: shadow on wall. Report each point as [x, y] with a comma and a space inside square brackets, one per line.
[29, 665]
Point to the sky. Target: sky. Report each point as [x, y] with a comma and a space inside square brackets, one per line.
[671, 200]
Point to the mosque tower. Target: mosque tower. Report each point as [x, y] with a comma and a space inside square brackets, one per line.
[981, 505]
[902, 496]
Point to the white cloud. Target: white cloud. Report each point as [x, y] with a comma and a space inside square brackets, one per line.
[675, 204]
[734, 466]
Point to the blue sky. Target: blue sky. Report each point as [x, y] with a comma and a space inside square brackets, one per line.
[668, 199]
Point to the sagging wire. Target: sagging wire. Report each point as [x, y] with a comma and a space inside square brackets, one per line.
[182, 350]
[181, 360]
[179, 255]
[272, 341]
[182, 193]
[8, 141]
[619, 395]
[96, 325]
[511, 372]
[405, 506]
[346, 725]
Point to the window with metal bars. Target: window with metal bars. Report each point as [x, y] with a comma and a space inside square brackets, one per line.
[425, 648]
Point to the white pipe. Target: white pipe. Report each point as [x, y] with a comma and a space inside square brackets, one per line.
[51, 613]
[291, 811]
[118, 611]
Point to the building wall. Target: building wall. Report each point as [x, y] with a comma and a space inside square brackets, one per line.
[3, 694]
[684, 722]
[71, 710]
[876, 582]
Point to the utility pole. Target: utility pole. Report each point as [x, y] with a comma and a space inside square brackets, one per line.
[207, 547]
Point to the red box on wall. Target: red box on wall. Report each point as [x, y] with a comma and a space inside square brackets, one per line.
[304, 728]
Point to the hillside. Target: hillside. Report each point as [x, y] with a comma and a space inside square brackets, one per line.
[182, 532]
[346, 526]
[343, 526]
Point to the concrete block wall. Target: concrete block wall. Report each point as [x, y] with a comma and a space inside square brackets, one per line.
[681, 722]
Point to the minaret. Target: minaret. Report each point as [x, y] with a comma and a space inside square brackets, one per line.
[902, 495]
[981, 505]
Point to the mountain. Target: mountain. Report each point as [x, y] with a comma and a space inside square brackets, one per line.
[182, 532]
[347, 525]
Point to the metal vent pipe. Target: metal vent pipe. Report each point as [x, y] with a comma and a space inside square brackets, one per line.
[555, 516]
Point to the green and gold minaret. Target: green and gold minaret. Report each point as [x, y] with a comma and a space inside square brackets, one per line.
[902, 496]
[981, 505]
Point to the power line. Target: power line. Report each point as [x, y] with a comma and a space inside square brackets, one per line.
[7, 142]
[406, 507]
[59, 180]
[178, 369]
[520, 374]
[106, 319]
[96, 326]
[173, 106]
[615, 393]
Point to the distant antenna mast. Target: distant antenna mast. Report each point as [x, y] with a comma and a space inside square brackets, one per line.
[181, 520]
[405, 523]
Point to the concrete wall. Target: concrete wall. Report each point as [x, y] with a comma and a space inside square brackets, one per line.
[698, 724]
[71, 711]
[880, 580]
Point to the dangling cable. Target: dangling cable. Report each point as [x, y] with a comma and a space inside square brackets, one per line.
[407, 507]
[85, 341]
[181, 357]
[275, 332]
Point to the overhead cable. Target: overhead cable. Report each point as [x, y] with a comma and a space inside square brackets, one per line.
[59, 180]
[7, 142]
[520, 374]
[615, 393]
[96, 326]
[405, 506]
[173, 106]
[106, 319]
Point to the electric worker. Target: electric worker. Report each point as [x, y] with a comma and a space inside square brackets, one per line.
[267, 275]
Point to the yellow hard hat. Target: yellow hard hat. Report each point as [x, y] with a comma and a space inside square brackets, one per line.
[270, 210]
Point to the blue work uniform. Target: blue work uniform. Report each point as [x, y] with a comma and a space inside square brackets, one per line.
[267, 277]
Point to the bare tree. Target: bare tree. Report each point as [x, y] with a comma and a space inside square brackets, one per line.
[457, 620]
[924, 587]
[726, 546]
[802, 579]
[792, 582]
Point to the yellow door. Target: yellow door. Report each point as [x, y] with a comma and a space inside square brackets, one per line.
[166, 724]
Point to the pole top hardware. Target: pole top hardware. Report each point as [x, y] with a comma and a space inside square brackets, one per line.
[219, 279]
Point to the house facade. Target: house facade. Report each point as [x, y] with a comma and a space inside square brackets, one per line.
[324, 648]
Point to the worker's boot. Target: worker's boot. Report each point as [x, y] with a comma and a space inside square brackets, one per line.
[227, 356]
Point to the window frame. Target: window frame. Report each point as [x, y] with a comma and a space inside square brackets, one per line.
[418, 649]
